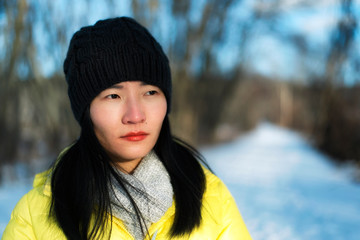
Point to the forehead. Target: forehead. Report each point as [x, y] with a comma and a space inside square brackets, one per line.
[122, 85]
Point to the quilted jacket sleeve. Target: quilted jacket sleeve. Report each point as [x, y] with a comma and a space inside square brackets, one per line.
[220, 208]
[233, 224]
[19, 226]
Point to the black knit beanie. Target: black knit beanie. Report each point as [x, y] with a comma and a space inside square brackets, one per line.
[112, 51]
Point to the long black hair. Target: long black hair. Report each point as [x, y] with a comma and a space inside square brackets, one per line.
[81, 204]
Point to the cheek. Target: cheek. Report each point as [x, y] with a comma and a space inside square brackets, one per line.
[159, 115]
[160, 111]
[95, 116]
[101, 121]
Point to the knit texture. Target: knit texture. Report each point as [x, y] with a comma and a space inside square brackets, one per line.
[151, 189]
[109, 52]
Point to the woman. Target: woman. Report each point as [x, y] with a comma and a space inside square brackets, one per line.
[126, 177]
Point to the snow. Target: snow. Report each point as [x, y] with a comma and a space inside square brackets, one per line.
[284, 188]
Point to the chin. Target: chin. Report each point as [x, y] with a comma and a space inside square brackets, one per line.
[132, 154]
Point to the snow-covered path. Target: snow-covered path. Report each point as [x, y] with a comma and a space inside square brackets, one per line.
[284, 188]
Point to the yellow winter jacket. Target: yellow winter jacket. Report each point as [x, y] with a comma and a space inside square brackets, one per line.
[220, 216]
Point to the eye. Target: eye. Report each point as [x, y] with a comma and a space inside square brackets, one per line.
[151, 93]
[112, 96]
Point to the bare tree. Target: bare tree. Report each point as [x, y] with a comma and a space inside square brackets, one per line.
[333, 123]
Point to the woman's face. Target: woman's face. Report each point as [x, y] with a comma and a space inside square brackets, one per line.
[127, 119]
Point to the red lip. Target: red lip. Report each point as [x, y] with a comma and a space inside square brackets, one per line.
[135, 136]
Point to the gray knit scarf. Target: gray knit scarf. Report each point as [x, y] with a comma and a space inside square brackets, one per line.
[151, 189]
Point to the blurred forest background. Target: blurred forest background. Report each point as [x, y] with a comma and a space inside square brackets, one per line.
[235, 63]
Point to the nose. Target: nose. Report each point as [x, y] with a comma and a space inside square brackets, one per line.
[134, 112]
